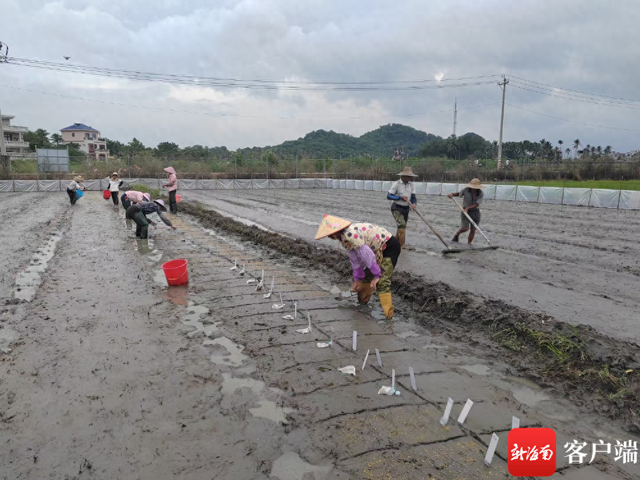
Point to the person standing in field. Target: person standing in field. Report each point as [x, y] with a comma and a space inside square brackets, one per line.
[403, 196]
[76, 184]
[172, 187]
[114, 187]
[138, 213]
[373, 253]
[471, 199]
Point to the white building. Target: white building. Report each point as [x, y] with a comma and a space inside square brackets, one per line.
[88, 138]
[14, 142]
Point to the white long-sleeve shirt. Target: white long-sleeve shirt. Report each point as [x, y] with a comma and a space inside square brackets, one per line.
[114, 186]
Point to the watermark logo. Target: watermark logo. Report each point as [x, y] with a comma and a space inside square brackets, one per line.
[532, 452]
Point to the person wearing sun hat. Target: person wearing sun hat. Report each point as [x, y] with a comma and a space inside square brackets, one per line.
[138, 213]
[373, 253]
[75, 184]
[403, 196]
[172, 187]
[472, 196]
[114, 187]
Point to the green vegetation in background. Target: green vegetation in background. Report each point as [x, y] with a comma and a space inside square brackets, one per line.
[22, 167]
[607, 184]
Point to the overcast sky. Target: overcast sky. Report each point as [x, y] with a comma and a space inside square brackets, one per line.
[586, 45]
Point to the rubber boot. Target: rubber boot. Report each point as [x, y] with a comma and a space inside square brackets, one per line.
[364, 293]
[400, 236]
[387, 305]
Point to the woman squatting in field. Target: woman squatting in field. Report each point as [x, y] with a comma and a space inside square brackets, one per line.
[373, 253]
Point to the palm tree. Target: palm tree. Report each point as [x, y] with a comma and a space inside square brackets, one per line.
[56, 138]
[599, 150]
[560, 142]
[567, 152]
[607, 150]
[576, 146]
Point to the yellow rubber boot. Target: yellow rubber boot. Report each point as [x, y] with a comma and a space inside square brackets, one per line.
[400, 234]
[364, 292]
[387, 305]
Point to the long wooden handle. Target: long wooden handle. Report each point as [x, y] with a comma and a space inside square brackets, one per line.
[471, 220]
[433, 229]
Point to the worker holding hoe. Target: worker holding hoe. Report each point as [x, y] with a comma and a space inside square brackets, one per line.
[471, 199]
[138, 213]
[373, 253]
[403, 194]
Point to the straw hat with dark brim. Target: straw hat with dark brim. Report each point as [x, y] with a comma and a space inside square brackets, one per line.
[162, 206]
[475, 183]
[407, 172]
[78, 179]
[115, 174]
[330, 225]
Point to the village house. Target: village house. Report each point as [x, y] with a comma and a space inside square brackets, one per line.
[14, 142]
[88, 138]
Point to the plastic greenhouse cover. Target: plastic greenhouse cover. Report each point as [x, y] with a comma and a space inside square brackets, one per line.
[505, 192]
[551, 195]
[602, 198]
[527, 193]
[577, 196]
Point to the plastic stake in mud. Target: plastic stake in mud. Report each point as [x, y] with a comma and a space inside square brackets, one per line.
[355, 341]
[366, 357]
[378, 357]
[491, 450]
[413, 379]
[465, 411]
[447, 412]
[241, 272]
[393, 379]
[515, 422]
[235, 265]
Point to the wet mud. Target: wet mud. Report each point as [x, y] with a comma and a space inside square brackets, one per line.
[593, 370]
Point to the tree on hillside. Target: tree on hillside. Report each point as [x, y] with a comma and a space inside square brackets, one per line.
[115, 147]
[167, 149]
[56, 138]
[38, 139]
[136, 146]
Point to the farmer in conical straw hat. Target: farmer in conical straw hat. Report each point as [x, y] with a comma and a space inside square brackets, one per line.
[138, 213]
[373, 253]
[75, 184]
[172, 187]
[403, 196]
[471, 199]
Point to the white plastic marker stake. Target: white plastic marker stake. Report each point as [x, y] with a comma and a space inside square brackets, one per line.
[393, 379]
[355, 340]
[295, 310]
[515, 422]
[261, 282]
[447, 412]
[235, 265]
[366, 357]
[378, 357]
[465, 411]
[413, 379]
[308, 329]
[491, 450]
[251, 280]
[241, 272]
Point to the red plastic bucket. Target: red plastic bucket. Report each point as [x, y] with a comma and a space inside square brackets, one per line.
[176, 273]
[106, 194]
[178, 198]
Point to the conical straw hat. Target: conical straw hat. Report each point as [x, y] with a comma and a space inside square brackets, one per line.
[407, 172]
[331, 224]
[475, 183]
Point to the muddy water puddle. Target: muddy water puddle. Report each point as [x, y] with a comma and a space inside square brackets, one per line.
[29, 279]
[234, 390]
[232, 354]
[291, 467]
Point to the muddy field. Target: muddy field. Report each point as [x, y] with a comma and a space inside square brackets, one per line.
[112, 375]
[580, 265]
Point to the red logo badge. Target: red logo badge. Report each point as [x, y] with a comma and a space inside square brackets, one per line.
[532, 452]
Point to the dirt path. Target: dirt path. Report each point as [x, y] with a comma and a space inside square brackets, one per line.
[579, 265]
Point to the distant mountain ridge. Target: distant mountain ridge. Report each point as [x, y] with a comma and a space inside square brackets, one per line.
[380, 142]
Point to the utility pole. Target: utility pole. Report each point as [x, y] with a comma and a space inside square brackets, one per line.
[455, 115]
[3, 149]
[502, 85]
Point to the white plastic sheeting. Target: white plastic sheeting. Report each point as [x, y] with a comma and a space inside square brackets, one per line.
[527, 194]
[94, 185]
[322, 183]
[25, 186]
[368, 185]
[551, 195]
[242, 184]
[505, 192]
[307, 183]
[629, 199]
[350, 185]
[577, 196]
[343, 184]
[6, 185]
[276, 183]
[602, 198]
[206, 184]
[421, 188]
[386, 186]
[434, 188]
[489, 191]
[187, 184]
[377, 186]
[151, 182]
[127, 182]
[359, 184]
[224, 184]
[261, 184]
[49, 185]
[292, 183]
[336, 183]
[448, 188]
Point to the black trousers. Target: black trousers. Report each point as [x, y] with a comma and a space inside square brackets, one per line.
[173, 205]
[392, 251]
[72, 196]
[114, 197]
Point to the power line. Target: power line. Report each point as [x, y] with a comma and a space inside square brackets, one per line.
[566, 96]
[573, 121]
[573, 91]
[222, 114]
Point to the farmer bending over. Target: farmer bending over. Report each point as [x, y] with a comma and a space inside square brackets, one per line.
[471, 199]
[138, 213]
[373, 253]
